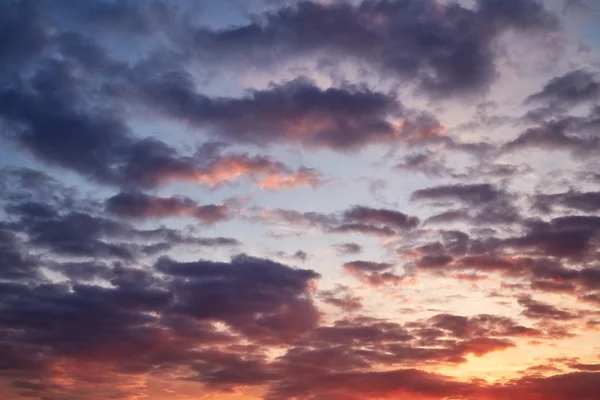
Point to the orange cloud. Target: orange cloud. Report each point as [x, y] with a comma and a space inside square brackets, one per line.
[269, 174]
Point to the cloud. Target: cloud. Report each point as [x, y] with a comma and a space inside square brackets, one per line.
[552, 136]
[585, 367]
[47, 117]
[436, 52]
[422, 41]
[373, 273]
[576, 200]
[448, 217]
[66, 333]
[342, 298]
[103, 294]
[367, 266]
[70, 225]
[15, 264]
[484, 202]
[143, 320]
[548, 258]
[569, 237]
[538, 310]
[52, 120]
[267, 173]
[79, 234]
[348, 248]
[138, 205]
[422, 385]
[578, 385]
[373, 221]
[473, 194]
[219, 370]
[357, 219]
[567, 133]
[428, 163]
[483, 325]
[568, 90]
[395, 219]
[411, 383]
[305, 177]
[346, 118]
[258, 297]
[299, 255]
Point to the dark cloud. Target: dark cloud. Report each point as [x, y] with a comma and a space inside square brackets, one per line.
[140, 205]
[487, 170]
[79, 234]
[14, 264]
[143, 321]
[567, 133]
[568, 90]
[52, 116]
[298, 111]
[434, 261]
[367, 266]
[373, 273]
[428, 341]
[48, 120]
[97, 298]
[538, 310]
[576, 200]
[475, 194]
[418, 384]
[411, 383]
[70, 225]
[592, 298]
[348, 347]
[348, 248]
[585, 367]
[428, 163]
[52, 108]
[365, 229]
[487, 204]
[444, 48]
[300, 255]
[341, 297]
[570, 236]
[483, 325]
[415, 40]
[394, 219]
[112, 328]
[373, 221]
[448, 217]
[590, 277]
[23, 23]
[552, 136]
[53, 121]
[550, 256]
[62, 129]
[577, 385]
[85, 271]
[256, 296]
[162, 240]
[219, 369]
[357, 219]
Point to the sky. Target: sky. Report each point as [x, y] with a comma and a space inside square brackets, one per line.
[300, 200]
